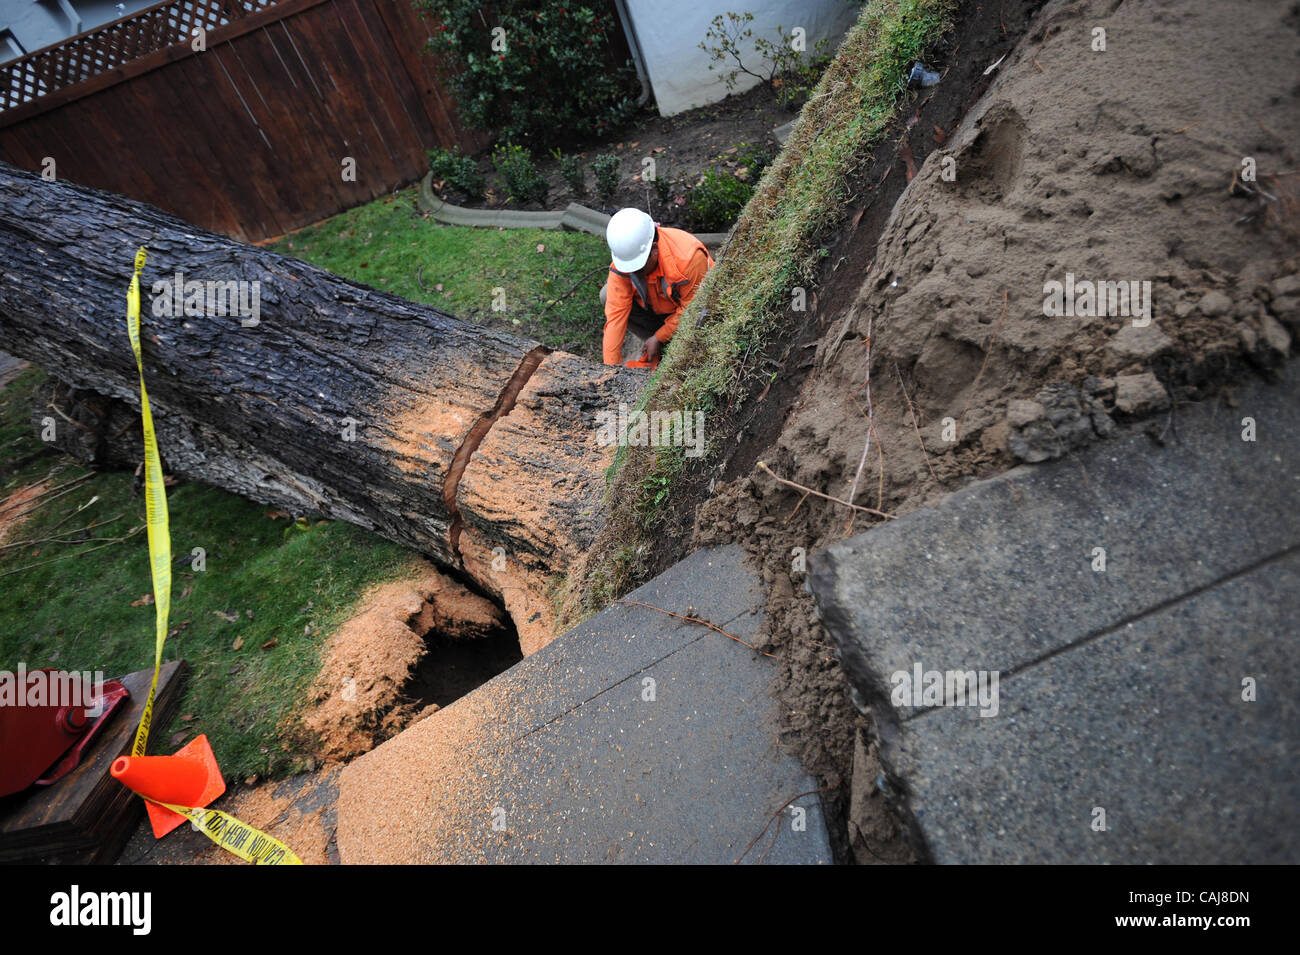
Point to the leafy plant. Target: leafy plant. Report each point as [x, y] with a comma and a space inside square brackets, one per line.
[714, 203]
[516, 167]
[754, 158]
[456, 169]
[663, 190]
[785, 65]
[574, 171]
[537, 72]
[608, 169]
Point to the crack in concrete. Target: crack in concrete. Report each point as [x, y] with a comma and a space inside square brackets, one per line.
[1095, 635]
[504, 404]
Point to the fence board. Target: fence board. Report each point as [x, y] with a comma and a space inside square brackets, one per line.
[246, 137]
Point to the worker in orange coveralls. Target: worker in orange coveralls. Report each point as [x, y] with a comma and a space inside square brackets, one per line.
[655, 274]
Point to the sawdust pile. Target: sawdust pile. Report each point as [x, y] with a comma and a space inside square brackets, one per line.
[17, 507]
[397, 802]
[357, 700]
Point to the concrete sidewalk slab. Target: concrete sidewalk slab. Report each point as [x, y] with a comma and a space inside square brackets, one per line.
[1001, 573]
[637, 737]
[1146, 723]
[1120, 689]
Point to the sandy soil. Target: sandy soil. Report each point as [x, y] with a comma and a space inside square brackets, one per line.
[1112, 166]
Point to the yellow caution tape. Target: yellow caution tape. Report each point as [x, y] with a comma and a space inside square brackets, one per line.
[223, 829]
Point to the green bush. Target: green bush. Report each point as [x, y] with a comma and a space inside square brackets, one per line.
[754, 158]
[574, 171]
[609, 170]
[551, 73]
[456, 169]
[715, 202]
[515, 165]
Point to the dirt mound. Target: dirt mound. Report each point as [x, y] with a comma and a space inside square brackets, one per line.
[358, 698]
[1077, 166]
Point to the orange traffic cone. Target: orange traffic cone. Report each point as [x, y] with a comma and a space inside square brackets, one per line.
[190, 778]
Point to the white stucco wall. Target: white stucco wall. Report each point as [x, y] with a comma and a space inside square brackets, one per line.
[670, 31]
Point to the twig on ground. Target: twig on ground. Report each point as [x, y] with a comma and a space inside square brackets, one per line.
[79, 553]
[772, 818]
[711, 626]
[762, 465]
[15, 545]
[871, 426]
[44, 497]
[574, 287]
[916, 425]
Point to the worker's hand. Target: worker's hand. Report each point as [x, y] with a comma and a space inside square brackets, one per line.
[652, 349]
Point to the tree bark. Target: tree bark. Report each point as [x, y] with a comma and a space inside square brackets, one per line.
[473, 446]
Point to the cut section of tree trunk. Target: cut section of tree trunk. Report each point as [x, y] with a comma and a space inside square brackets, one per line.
[339, 400]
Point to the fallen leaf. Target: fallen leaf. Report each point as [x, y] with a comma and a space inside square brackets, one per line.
[250, 780]
[273, 642]
[275, 515]
[238, 644]
[189, 589]
[541, 247]
[228, 617]
[188, 718]
[144, 601]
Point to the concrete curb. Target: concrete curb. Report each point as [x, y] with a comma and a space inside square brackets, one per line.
[575, 217]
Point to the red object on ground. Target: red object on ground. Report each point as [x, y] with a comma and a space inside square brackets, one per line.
[42, 743]
[189, 778]
[642, 364]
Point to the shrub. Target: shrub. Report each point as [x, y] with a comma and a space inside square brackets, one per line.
[608, 169]
[456, 169]
[754, 158]
[515, 165]
[715, 202]
[789, 72]
[574, 171]
[548, 75]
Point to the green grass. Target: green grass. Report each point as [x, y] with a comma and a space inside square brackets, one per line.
[69, 604]
[775, 246]
[384, 242]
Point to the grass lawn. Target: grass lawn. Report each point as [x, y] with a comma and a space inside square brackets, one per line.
[385, 242]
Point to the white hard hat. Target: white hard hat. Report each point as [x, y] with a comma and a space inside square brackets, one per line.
[630, 234]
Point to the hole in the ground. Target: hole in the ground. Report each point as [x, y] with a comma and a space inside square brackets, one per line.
[456, 664]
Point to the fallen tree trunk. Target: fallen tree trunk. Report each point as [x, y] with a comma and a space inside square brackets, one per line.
[338, 400]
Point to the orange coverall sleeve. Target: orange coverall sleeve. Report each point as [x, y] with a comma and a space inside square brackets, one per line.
[618, 305]
[695, 270]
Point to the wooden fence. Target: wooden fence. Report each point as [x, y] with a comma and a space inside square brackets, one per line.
[254, 135]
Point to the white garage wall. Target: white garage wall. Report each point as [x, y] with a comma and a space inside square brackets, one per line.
[669, 33]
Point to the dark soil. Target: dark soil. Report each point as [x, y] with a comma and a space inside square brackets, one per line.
[683, 146]
[455, 665]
